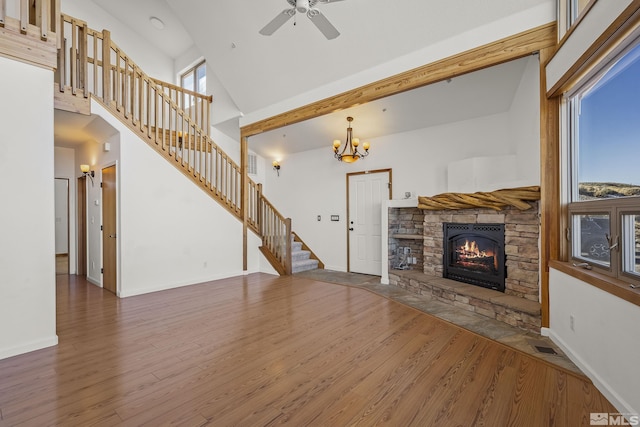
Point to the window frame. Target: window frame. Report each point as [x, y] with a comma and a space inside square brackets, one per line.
[195, 81]
[615, 208]
[189, 99]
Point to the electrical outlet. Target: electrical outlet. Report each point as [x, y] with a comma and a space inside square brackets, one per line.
[572, 323]
[407, 250]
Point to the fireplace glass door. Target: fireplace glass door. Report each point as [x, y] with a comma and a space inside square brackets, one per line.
[474, 253]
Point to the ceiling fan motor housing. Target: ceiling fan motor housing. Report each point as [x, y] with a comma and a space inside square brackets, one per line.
[302, 6]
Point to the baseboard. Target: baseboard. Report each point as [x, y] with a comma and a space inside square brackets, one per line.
[94, 281]
[29, 347]
[620, 404]
[545, 332]
[165, 287]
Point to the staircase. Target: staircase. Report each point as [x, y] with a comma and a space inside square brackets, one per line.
[301, 258]
[172, 120]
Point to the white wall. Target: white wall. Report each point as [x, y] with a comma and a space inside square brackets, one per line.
[223, 107]
[171, 233]
[524, 125]
[152, 61]
[65, 167]
[313, 183]
[604, 342]
[27, 248]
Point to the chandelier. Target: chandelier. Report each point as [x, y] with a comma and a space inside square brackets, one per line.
[350, 153]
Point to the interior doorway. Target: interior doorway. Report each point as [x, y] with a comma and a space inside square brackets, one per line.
[109, 229]
[62, 225]
[365, 193]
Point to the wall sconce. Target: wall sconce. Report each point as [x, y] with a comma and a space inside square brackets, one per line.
[86, 171]
[276, 167]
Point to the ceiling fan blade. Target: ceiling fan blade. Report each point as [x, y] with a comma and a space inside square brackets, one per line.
[323, 24]
[277, 22]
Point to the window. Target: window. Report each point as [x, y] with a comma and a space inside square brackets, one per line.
[604, 150]
[575, 8]
[195, 80]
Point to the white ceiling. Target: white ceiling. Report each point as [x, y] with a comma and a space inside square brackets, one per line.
[484, 92]
[258, 71]
[264, 70]
[72, 129]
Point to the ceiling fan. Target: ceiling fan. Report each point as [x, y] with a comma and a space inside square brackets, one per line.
[303, 6]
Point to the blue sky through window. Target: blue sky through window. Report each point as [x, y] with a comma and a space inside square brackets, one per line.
[609, 125]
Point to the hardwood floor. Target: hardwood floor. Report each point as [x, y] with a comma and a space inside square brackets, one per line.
[262, 350]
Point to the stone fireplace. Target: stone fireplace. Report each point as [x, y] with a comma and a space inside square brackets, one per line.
[517, 303]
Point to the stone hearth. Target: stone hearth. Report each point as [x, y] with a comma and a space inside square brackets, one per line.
[518, 305]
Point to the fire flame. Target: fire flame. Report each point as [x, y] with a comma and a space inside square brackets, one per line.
[472, 249]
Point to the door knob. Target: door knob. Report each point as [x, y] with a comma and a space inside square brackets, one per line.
[351, 229]
[113, 236]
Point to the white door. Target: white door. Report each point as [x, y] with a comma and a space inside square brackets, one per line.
[366, 193]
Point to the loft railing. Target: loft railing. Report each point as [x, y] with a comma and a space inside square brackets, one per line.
[30, 30]
[39, 13]
[174, 121]
[195, 104]
[102, 69]
[90, 63]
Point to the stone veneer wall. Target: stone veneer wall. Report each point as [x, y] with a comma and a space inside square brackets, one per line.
[522, 232]
[404, 225]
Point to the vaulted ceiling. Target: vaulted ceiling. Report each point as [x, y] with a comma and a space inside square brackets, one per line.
[257, 71]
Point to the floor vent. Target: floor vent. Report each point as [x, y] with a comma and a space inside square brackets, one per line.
[542, 346]
[547, 350]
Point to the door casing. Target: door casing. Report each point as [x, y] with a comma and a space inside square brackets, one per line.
[109, 229]
[348, 225]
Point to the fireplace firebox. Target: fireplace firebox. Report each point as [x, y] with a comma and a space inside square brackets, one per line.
[474, 254]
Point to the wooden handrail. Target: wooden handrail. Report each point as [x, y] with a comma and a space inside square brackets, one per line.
[173, 121]
[167, 85]
[95, 49]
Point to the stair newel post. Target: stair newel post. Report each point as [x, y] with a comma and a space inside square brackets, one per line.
[288, 261]
[259, 209]
[106, 67]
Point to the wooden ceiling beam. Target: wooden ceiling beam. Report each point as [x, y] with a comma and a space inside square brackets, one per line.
[507, 49]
